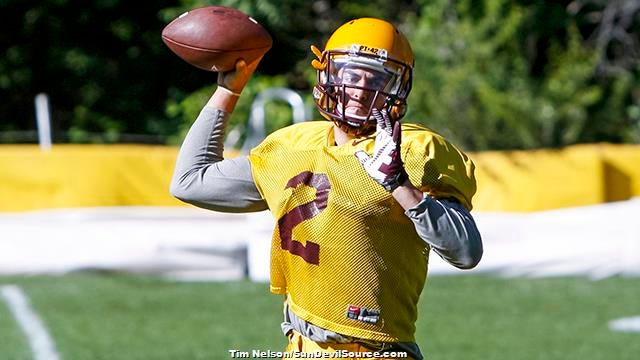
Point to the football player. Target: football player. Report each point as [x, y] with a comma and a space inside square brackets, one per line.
[358, 201]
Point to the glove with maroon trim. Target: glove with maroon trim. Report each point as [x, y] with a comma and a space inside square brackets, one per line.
[385, 166]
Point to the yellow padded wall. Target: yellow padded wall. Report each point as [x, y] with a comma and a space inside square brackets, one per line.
[123, 175]
[538, 179]
[85, 176]
[621, 171]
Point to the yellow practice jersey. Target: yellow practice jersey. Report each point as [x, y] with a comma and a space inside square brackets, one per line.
[343, 249]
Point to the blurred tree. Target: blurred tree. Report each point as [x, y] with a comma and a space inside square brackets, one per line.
[102, 63]
[492, 74]
[612, 27]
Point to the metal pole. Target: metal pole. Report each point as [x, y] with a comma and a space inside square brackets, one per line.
[43, 121]
[256, 131]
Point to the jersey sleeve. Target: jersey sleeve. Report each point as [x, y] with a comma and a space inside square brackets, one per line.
[439, 168]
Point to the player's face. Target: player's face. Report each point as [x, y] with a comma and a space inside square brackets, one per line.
[360, 91]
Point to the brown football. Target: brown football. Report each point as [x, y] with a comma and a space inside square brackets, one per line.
[213, 38]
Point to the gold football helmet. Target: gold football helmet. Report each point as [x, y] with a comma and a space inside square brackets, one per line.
[367, 62]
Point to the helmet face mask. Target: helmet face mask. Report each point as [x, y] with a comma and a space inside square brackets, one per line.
[354, 78]
[378, 84]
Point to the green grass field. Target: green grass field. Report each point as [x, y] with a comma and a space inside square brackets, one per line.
[115, 316]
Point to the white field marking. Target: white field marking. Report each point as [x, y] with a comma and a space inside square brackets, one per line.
[628, 324]
[39, 339]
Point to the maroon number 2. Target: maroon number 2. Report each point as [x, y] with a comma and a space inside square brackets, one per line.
[311, 251]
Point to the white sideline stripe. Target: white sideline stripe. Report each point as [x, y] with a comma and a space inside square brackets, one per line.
[39, 339]
[628, 324]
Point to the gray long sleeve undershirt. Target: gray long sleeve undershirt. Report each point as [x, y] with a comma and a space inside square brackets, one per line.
[202, 177]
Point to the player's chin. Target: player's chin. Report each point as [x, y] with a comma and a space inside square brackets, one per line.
[359, 125]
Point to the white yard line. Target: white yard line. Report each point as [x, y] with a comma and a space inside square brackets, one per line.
[41, 343]
[629, 324]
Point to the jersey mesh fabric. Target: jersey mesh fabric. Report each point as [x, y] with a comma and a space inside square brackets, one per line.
[342, 246]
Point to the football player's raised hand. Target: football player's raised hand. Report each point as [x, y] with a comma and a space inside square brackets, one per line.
[230, 85]
[385, 166]
[236, 79]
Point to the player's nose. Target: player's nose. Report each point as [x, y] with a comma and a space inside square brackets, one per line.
[359, 93]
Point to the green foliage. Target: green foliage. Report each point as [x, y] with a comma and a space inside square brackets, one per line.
[277, 113]
[617, 118]
[473, 80]
[567, 93]
[102, 64]
[490, 74]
